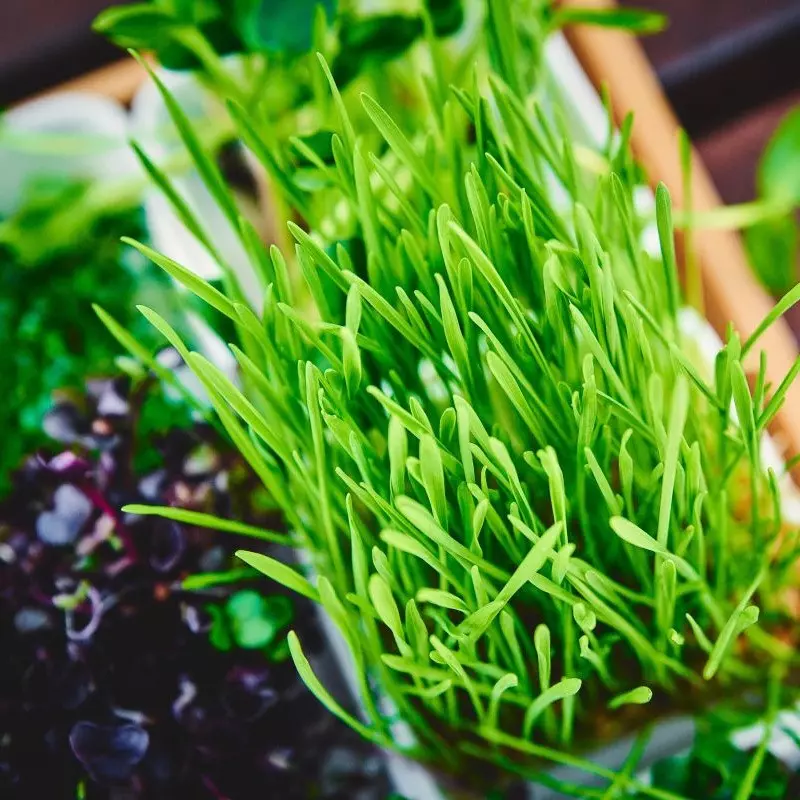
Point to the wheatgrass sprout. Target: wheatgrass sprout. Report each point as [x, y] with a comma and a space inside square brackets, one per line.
[528, 502]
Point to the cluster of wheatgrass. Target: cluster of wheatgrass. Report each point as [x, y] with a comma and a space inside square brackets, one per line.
[530, 505]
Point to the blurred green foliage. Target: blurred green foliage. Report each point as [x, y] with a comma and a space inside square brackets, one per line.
[772, 243]
[714, 768]
[188, 34]
[54, 262]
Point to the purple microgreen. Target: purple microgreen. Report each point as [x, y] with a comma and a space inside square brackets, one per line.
[70, 513]
[167, 546]
[110, 753]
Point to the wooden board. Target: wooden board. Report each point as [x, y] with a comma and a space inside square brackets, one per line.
[119, 81]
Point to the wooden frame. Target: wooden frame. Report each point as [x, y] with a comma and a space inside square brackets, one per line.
[118, 81]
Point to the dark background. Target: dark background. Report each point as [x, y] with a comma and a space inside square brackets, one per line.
[730, 67]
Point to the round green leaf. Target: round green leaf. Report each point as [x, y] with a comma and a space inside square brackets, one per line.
[779, 170]
[219, 634]
[142, 26]
[447, 16]
[256, 621]
[772, 246]
[279, 26]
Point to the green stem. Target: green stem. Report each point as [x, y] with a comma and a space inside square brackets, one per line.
[568, 760]
[754, 768]
[734, 217]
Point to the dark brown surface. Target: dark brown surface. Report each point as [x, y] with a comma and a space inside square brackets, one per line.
[719, 60]
[45, 42]
[695, 23]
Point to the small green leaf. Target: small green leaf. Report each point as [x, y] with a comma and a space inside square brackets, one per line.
[452, 329]
[779, 169]
[772, 246]
[473, 627]
[201, 520]
[676, 638]
[358, 555]
[255, 620]
[278, 26]
[541, 641]
[567, 687]
[206, 580]
[677, 421]
[634, 20]
[665, 594]
[641, 695]
[739, 621]
[398, 453]
[743, 401]
[279, 573]
[416, 630]
[399, 143]
[509, 681]
[322, 694]
[373, 39]
[447, 426]
[666, 237]
[384, 604]
[477, 623]
[219, 635]
[353, 309]
[585, 617]
[433, 478]
[633, 534]
[535, 559]
[142, 26]
[743, 617]
[702, 640]
[203, 289]
[351, 361]
[442, 599]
